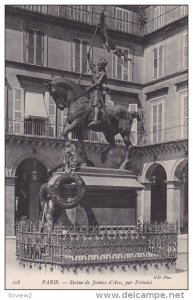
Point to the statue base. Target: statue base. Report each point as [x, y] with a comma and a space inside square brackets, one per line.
[111, 198]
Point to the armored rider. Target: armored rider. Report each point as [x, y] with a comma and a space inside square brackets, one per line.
[97, 88]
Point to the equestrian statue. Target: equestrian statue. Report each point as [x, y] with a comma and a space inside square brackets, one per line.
[87, 110]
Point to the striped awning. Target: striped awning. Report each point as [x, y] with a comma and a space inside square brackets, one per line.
[35, 106]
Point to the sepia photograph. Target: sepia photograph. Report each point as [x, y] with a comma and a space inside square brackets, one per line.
[96, 147]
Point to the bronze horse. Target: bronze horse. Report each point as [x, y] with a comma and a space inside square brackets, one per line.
[67, 94]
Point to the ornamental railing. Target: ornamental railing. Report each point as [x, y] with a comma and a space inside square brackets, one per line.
[86, 14]
[172, 13]
[44, 129]
[82, 246]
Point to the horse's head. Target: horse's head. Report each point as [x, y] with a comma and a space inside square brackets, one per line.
[62, 91]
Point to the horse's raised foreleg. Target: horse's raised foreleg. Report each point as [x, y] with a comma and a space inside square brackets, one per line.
[111, 140]
[69, 129]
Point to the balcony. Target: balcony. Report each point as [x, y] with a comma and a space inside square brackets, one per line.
[171, 14]
[85, 14]
[46, 130]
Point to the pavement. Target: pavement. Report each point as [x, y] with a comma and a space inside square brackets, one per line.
[19, 277]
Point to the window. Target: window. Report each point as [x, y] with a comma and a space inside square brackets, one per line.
[133, 107]
[63, 117]
[108, 101]
[51, 116]
[158, 61]
[157, 121]
[184, 110]
[185, 50]
[123, 20]
[79, 55]
[123, 69]
[184, 10]
[81, 13]
[159, 16]
[18, 111]
[35, 113]
[34, 46]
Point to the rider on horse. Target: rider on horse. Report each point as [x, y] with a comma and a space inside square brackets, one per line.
[97, 88]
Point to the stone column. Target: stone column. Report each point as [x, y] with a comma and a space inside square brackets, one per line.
[173, 201]
[10, 206]
[144, 203]
[147, 202]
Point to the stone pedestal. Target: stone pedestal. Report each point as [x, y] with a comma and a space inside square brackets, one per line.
[111, 198]
[10, 205]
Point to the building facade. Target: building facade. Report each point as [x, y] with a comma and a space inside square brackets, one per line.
[43, 41]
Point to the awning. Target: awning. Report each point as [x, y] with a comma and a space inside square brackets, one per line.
[35, 106]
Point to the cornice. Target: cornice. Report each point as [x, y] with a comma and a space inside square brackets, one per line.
[154, 150]
[164, 78]
[47, 72]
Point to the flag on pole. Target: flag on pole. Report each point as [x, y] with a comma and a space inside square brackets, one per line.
[109, 44]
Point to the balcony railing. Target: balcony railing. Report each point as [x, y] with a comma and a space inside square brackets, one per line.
[55, 131]
[85, 14]
[50, 130]
[172, 14]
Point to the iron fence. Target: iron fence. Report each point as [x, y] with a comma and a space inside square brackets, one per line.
[81, 246]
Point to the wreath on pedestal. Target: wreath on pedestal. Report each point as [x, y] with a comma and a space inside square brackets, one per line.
[54, 190]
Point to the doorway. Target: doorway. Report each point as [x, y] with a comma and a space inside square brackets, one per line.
[158, 194]
[27, 191]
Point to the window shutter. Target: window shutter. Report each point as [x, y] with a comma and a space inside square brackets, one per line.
[160, 123]
[51, 111]
[154, 123]
[18, 110]
[77, 55]
[119, 67]
[162, 15]
[155, 62]
[156, 12]
[185, 52]
[30, 45]
[185, 116]
[160, 60]
[84, 54]
[125, 75]
[133, 107]
[39, 47]
[114, 65]
[130, 67]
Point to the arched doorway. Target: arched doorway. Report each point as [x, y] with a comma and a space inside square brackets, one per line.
[181, 174]
[27, 189]
[156, 175]
[158, 195]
